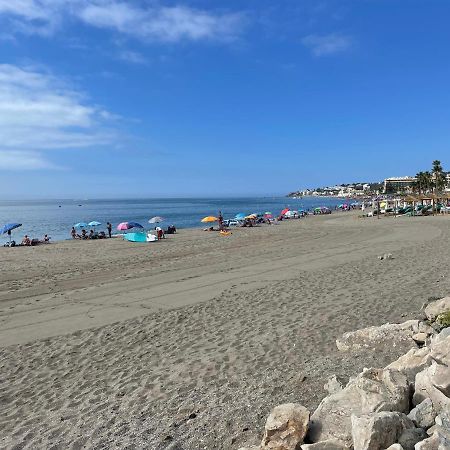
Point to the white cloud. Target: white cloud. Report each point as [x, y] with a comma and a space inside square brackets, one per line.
[20, 160]
[329, 44]
[39, 112]
[162, 23]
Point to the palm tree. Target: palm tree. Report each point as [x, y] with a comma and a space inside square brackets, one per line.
[439, 178]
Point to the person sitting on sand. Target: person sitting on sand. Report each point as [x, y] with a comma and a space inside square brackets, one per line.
[84, 234]
[74, 234]
[46, 239]
[92, 235]
[26, 240]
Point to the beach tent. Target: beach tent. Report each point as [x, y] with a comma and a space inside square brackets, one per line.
[284, 211]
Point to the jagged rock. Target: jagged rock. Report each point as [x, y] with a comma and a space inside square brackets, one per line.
[432, 310]
[395, 447]
[423, 414]
[286, 427]
[324, 445]
[373, 390]
[432, 443]
[443, 428]
[440, 349]
[420, 337]
[412, 363]
[410, 437]
[427, 385]
[379, 430]
[425, 328]
[442, 336]
[333, 385]
[388, 335]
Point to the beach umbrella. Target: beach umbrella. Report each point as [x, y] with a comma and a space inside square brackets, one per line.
[94, 224]
[209, 219]
[123, 226]
[134, 225]
[10, 227]
[240, 216]
[81, 225]
[156, 219]
[285, 210]
[268, 215]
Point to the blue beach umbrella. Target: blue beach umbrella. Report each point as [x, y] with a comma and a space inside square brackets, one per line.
[81, 225]
[94, 223]
[9, 227]
[240, 216]
[135, 225]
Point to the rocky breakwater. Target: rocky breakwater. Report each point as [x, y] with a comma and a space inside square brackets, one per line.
[404, 406]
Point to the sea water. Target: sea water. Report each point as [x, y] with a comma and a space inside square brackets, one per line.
[56, 217]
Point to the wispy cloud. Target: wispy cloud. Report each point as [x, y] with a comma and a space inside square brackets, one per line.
[156, 22]
[328, 44]
[12, 160]
[132, 57]
[40, 112]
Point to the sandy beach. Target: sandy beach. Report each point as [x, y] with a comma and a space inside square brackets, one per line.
[188, 343]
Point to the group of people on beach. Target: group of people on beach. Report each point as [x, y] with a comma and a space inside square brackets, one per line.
[92, 233]
[28, 242]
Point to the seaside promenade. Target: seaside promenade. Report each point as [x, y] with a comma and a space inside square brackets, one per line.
[191, 341]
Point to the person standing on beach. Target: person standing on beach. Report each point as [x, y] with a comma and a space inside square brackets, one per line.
[109, 228]
[220, 221]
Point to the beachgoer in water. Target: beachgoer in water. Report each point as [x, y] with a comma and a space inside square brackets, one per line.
[109, 228]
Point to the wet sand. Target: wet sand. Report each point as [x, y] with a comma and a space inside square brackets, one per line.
[189, 342]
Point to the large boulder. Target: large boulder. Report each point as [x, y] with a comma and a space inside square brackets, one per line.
[379, 430]
[423, 414]
[433, 383]
[433, 309]
[286, 427]
[440, 348]
[412, 363]
[388, 335]
[373, 390]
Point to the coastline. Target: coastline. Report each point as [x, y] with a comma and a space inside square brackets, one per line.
[192, 341]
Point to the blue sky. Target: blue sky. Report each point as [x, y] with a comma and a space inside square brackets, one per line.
[105, 98]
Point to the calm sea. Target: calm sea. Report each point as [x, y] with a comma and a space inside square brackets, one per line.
[56, 217]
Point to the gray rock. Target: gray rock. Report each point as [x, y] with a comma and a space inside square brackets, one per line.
[410, 437]
[379, 430]
[324, 445]
[432, 443]
[333, 385]
[395, 447]
[373, 390]
[286, 427]
[412, 363]
[423, 414]
[387, 335]
[433, 309]
[429, 383]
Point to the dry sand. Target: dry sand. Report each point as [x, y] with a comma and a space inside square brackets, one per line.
[188, 343]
